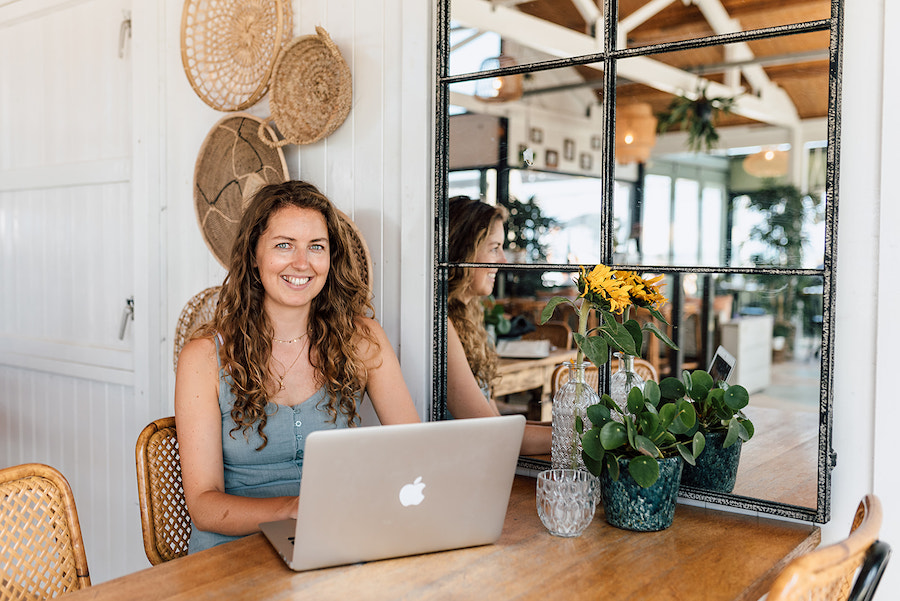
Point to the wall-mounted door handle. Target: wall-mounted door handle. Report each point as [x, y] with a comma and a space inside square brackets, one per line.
[127, 314]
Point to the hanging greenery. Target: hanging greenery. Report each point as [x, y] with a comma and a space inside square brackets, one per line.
[697, 117]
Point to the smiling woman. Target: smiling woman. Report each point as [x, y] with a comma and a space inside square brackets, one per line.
[477, 236]
[291, 349]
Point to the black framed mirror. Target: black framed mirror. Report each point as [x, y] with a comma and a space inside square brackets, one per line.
[543, 107]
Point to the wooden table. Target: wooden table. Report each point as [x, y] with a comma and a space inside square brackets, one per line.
[707, 555]
[530, 375]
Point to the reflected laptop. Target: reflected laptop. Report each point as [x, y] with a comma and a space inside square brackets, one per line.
[389, 491]
[721, 365]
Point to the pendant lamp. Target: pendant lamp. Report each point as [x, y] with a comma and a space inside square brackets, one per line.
[635, 133]
[767, 163]
[499, 89]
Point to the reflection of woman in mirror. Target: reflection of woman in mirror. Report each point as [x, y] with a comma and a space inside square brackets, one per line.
[476, 236]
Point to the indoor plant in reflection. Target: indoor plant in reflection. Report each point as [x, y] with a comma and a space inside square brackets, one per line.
[607, 293]
[639, 456]
[722, 422]
[495, 320]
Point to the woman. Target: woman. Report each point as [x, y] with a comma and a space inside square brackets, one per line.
[476, 236]
[291, 349]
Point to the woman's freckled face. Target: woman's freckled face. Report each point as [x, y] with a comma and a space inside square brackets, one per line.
[292, 256]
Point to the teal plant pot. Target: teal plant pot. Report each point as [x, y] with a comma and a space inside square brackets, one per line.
[716, 467]
[630, 507]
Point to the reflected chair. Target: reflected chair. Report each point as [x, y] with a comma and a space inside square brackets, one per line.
[557, 332]
[560, 376]
[40, 537]
[165, 522]
[828, 572]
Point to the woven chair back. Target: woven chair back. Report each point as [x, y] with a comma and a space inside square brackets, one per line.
[165, 522]
[43, 551]
[560, 376]
[828, 572]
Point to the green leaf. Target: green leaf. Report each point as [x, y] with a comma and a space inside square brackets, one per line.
[637, 334]
[651, 392]
[685, 453]
[613, 435]
[635, 400]
[594, 348]
[612, 464]
[698, 444]
[733, 433]
[655, 313]
[699, 392]
[598, 414]
[644, 470]
[737, 397]
[667, 414]
[590, 443]
[648, 423]
[748, 426]
[593, 466]
[630, 430]
[579, 424]
[652, 327]
[503, 326]
[686, 412]
[645, 446]
[671, 388]
[702, 378]
[619, 338]
[547, 311]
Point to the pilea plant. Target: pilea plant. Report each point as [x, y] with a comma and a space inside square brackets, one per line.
[649, 429]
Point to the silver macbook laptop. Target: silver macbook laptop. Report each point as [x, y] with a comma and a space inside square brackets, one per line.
[390, 491]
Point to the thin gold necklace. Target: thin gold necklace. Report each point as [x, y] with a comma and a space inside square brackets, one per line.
[293, 363]
[291, 341]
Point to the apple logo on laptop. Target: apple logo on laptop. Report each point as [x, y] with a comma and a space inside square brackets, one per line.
[411, 494]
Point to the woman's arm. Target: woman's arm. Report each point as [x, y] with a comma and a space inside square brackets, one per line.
[199, 423]
[384, 380]
[465, 399]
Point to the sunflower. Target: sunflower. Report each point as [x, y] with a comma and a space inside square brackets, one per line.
[644, 293]
[601, 287]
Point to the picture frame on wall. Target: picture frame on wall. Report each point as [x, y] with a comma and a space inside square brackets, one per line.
[586, 161]
[536, 135]
[569, 149]
[596, 142]
[551, 159]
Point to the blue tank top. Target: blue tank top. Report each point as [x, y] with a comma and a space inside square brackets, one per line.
[275, 470]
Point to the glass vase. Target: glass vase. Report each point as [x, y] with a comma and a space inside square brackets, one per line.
[570, 401]
[623, 380]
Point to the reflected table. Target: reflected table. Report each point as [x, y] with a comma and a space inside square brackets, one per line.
[530, 375]
[707, 555]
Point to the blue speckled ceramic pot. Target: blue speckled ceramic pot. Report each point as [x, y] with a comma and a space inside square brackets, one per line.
[630, 507]
[716, 467]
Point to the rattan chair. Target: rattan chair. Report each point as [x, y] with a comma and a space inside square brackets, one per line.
[557, 332]
[40, 537]
[828, 572]
[560, 375]
[165, 522]
[202, 306]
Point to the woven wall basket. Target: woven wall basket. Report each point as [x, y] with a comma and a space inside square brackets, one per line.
[232, 165]
[229, 47]
[311, 90]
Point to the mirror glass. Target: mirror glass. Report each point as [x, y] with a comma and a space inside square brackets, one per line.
[720, 182]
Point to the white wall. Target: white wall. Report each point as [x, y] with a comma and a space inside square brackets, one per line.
[866, 352]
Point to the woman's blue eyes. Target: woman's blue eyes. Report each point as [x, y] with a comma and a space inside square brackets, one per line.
[287, 246]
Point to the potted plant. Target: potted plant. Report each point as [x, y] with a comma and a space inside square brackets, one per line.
[608, 293]
[722, 422]
[638, 454]
[698, 117]
[495, 320]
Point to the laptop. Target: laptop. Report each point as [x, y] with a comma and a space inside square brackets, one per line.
[390, 491]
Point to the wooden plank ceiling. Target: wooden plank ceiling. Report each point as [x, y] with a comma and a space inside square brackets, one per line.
[798, 64]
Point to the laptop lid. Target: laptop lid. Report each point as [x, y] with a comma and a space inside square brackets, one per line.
[389, 491]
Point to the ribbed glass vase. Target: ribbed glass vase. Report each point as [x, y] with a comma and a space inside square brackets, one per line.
[571, 400]
[622, 381]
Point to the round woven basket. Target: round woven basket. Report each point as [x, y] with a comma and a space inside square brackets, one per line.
[311, 90]
[229, 47]
[232, 165]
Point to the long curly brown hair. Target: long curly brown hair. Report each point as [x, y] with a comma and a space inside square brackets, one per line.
[335, 330]
[470, 223]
